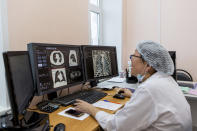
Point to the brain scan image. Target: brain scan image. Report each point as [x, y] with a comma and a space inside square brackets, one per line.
[73, 58]
[59, 77]
[57, 58]
[101, 63]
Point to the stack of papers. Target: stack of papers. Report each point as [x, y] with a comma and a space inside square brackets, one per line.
[107, 105]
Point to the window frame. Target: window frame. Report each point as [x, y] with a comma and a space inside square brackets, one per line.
[98, 10]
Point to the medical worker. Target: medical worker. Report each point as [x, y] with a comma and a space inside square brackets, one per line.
[158, 104]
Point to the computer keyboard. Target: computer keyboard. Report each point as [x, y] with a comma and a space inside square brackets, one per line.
[89, 96]
[47, 106]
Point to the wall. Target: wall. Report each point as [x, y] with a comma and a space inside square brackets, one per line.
[112, 26]
[47, 21]
[141, 19]
[172, 23]
[178, 32]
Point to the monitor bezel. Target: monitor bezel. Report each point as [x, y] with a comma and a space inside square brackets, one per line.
[98, 46]
[35, 68]
[10, 85]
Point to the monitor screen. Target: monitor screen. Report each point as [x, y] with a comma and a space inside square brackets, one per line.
[100, 62]
[173, 56]
[55, 66]
[19, 80]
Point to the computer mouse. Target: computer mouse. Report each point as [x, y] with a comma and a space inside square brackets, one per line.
[119, 96]
[60, 127]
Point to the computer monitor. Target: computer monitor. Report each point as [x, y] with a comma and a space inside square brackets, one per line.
[173, 56]
[19, 82]
[100, 62]
[55, 66]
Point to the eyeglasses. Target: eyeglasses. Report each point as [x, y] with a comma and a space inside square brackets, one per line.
[135, 56]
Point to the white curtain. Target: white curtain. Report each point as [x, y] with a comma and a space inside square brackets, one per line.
[4, 100]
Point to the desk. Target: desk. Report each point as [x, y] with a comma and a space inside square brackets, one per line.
[89, 124]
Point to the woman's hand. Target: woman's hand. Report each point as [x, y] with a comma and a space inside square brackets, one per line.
[126, 92]
[85, 107]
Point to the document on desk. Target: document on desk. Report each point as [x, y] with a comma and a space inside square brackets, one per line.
[116, 80]
[107, 105]
[62, 113]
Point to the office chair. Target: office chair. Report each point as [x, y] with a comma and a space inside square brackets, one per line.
[183, 75]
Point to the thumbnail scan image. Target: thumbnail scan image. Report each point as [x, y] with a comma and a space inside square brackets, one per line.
[73, 58]
[101, 63]
[75, 75]
[59, 77]
[57, 58]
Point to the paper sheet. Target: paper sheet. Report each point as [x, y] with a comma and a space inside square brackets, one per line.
[116, 80]
[62, 113]
[107, 105]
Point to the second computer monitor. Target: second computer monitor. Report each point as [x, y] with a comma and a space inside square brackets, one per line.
[100, 62]
[19, 81]
[55, 66]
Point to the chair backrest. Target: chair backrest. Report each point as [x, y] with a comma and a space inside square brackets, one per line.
[183, 75]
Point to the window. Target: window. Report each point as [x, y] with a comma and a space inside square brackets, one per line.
[95, 21]
[4, 101]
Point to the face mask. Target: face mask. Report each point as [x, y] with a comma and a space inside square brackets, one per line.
[141, 77]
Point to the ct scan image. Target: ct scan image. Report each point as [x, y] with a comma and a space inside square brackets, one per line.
[59, 77]
[75, 74]
[101, 63]
[73, 58]
[57, 58]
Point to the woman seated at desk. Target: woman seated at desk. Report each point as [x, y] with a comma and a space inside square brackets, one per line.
[157, 105]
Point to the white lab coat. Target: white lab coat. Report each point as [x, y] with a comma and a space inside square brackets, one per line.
[158, 104]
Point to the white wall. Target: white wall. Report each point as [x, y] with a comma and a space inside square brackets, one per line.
[112, 26]
[4, 101]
